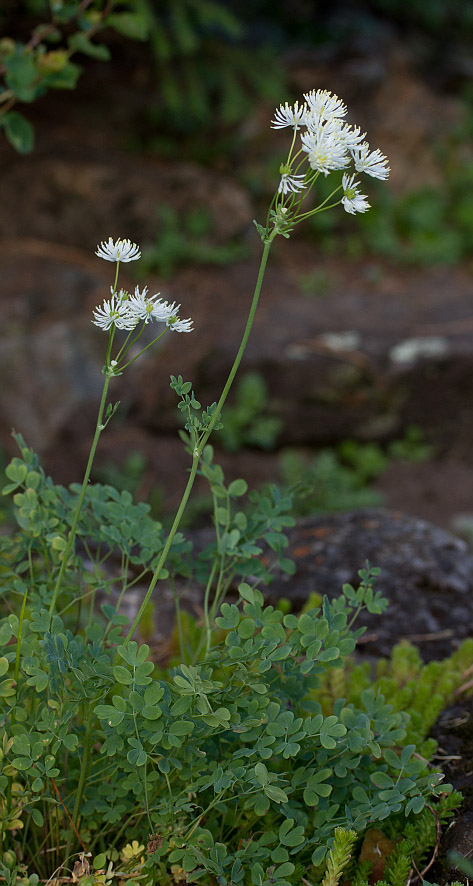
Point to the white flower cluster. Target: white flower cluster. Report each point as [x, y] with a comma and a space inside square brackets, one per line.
[125, 311]
[330, 144]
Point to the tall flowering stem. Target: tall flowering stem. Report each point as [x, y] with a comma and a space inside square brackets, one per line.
[126, 312]
[327, 144]
[72, 534]
[199, 449]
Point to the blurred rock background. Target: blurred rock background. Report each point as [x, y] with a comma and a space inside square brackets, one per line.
[358, 379]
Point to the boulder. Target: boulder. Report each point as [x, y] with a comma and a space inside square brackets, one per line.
[426, 575]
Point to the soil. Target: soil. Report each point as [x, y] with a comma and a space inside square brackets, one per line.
[454, 734]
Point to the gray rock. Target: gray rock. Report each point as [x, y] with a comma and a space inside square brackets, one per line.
[426, 574]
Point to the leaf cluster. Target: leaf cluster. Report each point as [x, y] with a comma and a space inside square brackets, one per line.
[203, 754]
[29, 69]
[197, 420]
[115, 536]
[233, 760]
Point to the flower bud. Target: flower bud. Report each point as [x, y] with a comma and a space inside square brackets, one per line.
[93, 17]
[9, 858]
[7, 47]
[52, 62]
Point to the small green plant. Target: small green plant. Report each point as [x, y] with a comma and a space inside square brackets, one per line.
[425, 226]
[187, 239]
[248, 422]
[324, 483]
[318, 283]
[339, 479]
[62, 30]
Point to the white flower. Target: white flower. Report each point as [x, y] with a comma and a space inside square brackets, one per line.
[290, 183]
[325, 104]
[289, 115]
[162, 310]
[121, 250]
[374, 163]
[350, 136]
[144, 306]
[326, 150]
[179, 325]
[352, 200]
[114, 312]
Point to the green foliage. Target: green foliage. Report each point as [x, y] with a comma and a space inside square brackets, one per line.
[409, 684]
[187, 238]
[248, 422]
[206, 64]
[29, 69]
[339, 856]
[198, 755]
[337, 480]
[325, 484]
[430, 225]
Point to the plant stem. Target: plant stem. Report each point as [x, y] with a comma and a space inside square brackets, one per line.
[16, 675]
[244, 342]
[203, 441]
[80, 787]
[169, 541]
[70, 541]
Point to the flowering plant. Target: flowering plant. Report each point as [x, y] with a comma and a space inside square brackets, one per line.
[225, 765]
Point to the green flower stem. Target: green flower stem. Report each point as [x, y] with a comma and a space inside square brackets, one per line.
[244, 341]
[169, 541]
[208, 629]
[72, 533]
[199, 449]
[124, 366]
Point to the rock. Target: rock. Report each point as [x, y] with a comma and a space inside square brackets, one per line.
[80, 200]
[426, 574]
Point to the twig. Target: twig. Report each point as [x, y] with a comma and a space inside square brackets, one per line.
[84, 847]
[420, 874]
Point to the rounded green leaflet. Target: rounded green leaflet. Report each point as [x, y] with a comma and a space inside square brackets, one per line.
[182, 727]
[261, 774]
[151, 713]
[238, 487]
[275, 793]
[99, 861]
[109, 713]
[122, 675]
[284, 870]
[381, 779]
[16, 471]
[247, 593]
[246, 628]
[137, 756]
